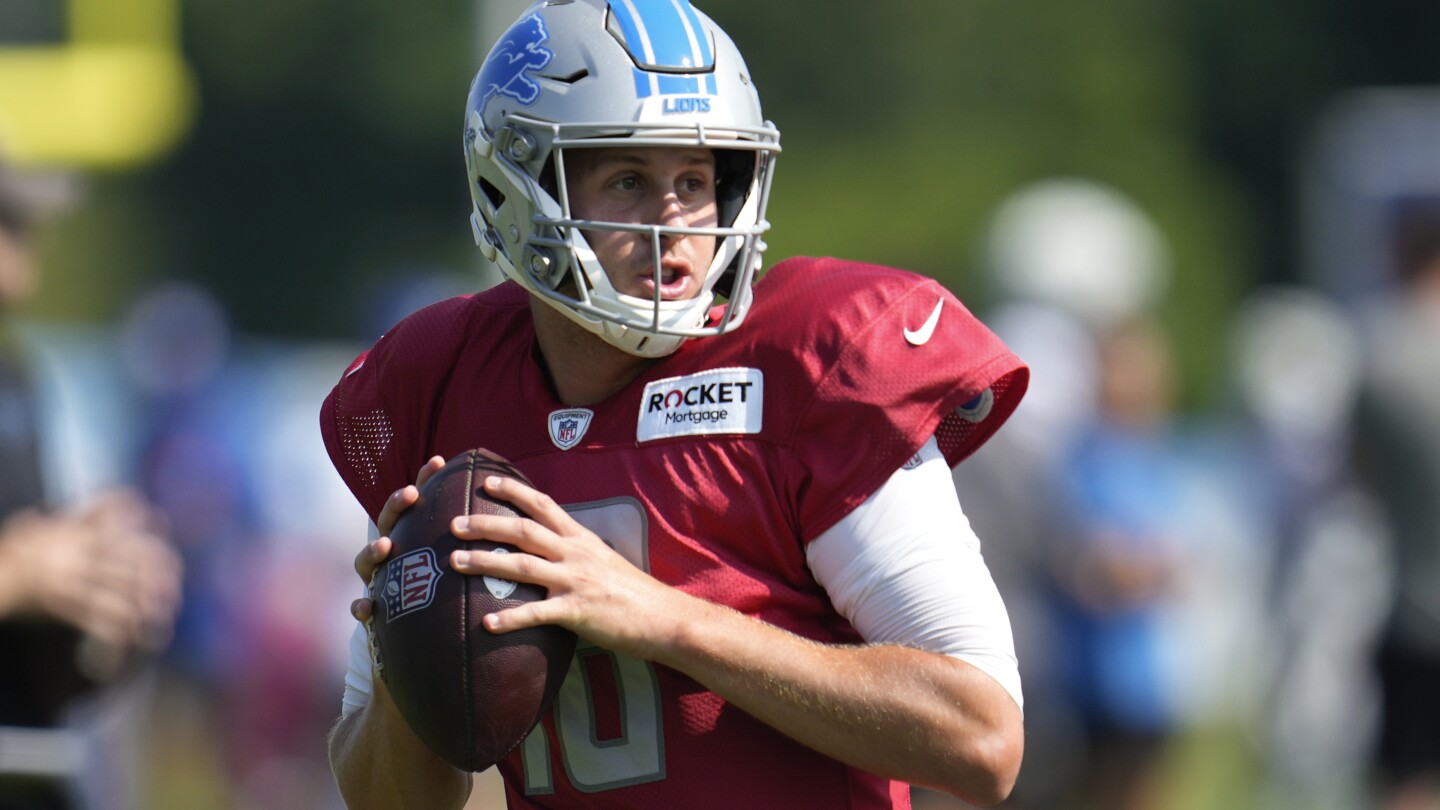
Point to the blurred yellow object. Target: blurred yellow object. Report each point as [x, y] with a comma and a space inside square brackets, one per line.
[101, 106]
[116, 93]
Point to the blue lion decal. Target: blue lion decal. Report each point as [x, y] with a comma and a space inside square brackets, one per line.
[517, 53]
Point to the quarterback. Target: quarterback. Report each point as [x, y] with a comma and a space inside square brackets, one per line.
[742, 503]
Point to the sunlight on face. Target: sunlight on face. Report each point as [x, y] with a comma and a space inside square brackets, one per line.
[647, 186]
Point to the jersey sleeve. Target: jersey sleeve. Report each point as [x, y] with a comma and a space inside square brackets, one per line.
[908, 361]
[376, 421]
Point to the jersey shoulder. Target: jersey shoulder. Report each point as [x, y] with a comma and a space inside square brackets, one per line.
[428, 342]
[846, 329]
[377, 419]
[875, 360]
[820, 292]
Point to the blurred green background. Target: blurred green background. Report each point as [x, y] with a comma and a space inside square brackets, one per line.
[317, 157]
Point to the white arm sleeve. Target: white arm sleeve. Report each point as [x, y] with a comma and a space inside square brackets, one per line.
[905, 568]
[359, 673]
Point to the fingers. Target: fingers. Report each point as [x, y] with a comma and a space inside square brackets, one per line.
[106, 572]
[543, 524]
[405, 497]
[518, 567]
[530, 614]
[431, 467]
[95, 613]
[106, 614]
[400, 500]
[529, 500]
[143, 574]
[130, 561]
[117, 508]
[373, 555]
[523, 533]
[153, 573]
[370, 558]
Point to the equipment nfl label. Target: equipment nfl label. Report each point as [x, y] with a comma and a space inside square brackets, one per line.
[724, 400]
[568, 427]
[410, 582]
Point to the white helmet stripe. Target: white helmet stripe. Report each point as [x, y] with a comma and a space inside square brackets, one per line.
[637, 22]
[663, 34]
[692, 25]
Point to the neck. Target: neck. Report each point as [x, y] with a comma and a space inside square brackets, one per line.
[583, 368]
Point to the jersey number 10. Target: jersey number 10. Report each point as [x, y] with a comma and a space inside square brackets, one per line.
[637, 754]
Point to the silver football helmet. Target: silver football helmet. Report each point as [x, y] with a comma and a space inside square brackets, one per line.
[573, 74]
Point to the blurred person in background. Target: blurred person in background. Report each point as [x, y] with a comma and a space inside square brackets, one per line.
[1067, 259]
[1117, 566]
[1397, 440]
[1296, 366]
[86, 591]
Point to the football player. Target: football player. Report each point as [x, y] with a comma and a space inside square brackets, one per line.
[752, 529]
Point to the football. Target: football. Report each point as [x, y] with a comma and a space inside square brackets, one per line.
[470, 694]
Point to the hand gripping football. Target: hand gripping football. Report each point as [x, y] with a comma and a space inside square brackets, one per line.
[470, 694]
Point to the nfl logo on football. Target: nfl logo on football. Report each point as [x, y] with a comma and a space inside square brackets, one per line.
[410, 583]
[568, 427]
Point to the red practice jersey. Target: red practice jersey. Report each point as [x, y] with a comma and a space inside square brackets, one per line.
[711, 471]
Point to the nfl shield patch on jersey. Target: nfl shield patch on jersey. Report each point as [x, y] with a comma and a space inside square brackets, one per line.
[568, 427]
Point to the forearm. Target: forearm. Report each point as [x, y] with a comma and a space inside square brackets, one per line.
[12, 577]
[906, 714]
[899, 712]
[379, 763]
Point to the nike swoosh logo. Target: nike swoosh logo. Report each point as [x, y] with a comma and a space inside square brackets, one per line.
[921, 336]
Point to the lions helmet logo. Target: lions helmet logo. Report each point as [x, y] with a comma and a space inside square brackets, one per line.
[516, 54]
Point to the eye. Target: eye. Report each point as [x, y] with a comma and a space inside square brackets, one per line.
[628, 182]
[695, 184]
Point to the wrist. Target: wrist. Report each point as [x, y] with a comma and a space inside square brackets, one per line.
[694, 632]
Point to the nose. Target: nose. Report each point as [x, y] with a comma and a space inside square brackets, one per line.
[667, 209]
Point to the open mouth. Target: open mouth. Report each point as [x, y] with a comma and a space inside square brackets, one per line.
[674, 282]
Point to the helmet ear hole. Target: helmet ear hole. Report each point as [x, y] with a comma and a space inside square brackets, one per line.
[734, 180]
[493, 194]
[547, 179]
[734, 176]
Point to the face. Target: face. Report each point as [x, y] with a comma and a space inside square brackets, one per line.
[647, 186]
